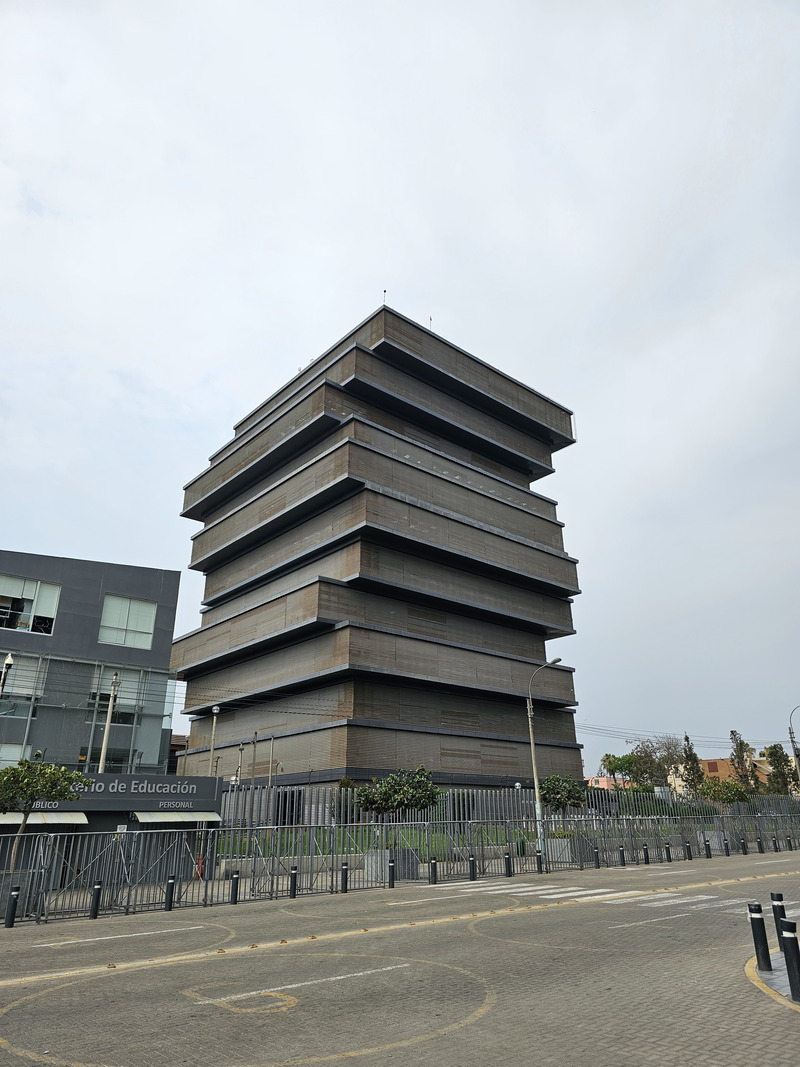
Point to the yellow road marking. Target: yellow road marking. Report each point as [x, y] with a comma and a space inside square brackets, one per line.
[751, 970]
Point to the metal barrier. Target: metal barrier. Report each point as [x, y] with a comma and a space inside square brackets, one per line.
[74, 875]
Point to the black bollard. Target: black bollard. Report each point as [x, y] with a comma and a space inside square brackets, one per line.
[507, 864]
[646, 854]
[743, 843]
[687, 850]
[791, 953]
[596, 852]
[707, 845]
[94, 907]
[473, 870]
[622, 855]
[345, 872]
[432, 874]
[778, 913]
[756, 917]
[170, 894]
[234, 887]
[11, 907]
[726, 846]
[539, 863]
[789, 845]
[293, 882]
[775, 845]
[391, 874]
[668, 851]
[760, 844]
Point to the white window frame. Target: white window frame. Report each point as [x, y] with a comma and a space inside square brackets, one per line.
[30, 591]
[123, 610]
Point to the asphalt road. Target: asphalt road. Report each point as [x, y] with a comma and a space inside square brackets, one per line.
[628, 967]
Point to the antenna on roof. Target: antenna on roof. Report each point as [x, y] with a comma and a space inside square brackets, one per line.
[384, 298]
[430, 323]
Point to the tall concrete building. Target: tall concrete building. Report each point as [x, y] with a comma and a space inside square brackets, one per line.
[380, 579]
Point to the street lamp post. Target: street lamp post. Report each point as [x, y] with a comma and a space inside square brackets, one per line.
[550, 663]
[214, 714]
[107, 732]
[8, 663]
[793, 744]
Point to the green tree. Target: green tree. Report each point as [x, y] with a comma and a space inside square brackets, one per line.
[32, 780]
[609, 765]
[742, 763]
[728, 791]
[558, 791]
[647, 766]
[691, 768]
[782, 778]
[400, 790]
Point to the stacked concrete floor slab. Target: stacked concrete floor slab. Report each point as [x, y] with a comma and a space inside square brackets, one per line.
[380, 579]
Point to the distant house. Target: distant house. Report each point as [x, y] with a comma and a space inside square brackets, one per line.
[607, 783]
[723, 769]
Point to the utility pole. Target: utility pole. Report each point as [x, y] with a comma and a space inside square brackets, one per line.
[793, 743]
[112, 698]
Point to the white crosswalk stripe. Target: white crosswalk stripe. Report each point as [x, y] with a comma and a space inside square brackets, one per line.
[676, 900]
[507, 887]
[574, 893]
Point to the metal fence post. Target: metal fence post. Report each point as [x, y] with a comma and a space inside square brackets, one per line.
[11, 907]
[791, 953]
[756, 917]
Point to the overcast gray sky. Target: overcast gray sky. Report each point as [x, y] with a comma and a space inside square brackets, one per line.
[599, 198]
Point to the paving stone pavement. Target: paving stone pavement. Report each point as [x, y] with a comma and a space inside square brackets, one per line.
[635, 967]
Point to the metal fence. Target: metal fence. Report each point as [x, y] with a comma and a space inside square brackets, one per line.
[58, 874]
[259, 804]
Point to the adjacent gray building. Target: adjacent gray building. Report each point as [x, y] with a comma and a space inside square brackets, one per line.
[381, 580]
[66, 627]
